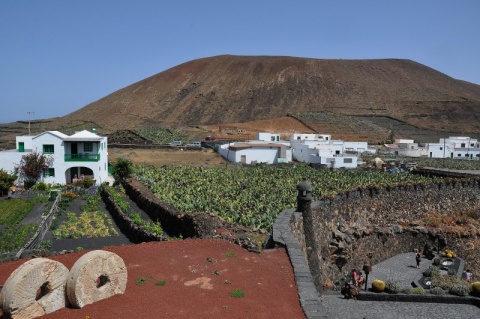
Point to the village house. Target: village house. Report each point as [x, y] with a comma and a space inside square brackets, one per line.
[321, 149]
[83, 154]
[404, 147]
[455, 147]
[267, 148]
[310, 148]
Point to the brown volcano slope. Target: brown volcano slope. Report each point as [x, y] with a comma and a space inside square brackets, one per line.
[237, 89]
[350, 99]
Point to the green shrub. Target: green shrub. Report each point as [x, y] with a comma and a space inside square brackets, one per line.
[378, 285]
[476, 288]
[392, 287]
[237, 293]
[459, 290]
[437, 291]
[445, 282]
[6, 181]
[451, 272]
[430, 271]
[40, 186]
[122, 169]
[418, 291]
[436, 261]
[88, 182]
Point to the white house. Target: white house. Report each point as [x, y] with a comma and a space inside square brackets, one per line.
[256, 152]
[404, 147]
[83, 154]
[321, 149]
[455, 147]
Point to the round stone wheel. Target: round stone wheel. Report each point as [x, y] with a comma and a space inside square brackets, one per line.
[35, 288]
[95, 276]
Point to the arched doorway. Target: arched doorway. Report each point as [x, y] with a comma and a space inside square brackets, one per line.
[78, 172]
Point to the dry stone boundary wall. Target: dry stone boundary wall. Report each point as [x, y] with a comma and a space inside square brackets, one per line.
[373, 225]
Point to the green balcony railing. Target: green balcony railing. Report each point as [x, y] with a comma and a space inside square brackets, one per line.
[85, 157]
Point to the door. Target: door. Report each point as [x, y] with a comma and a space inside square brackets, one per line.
[243, 159]
[21, 146]
[74, 148]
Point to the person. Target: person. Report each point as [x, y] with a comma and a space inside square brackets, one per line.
[354, 277]
[361, 279]
[417, 258]
[468, 275]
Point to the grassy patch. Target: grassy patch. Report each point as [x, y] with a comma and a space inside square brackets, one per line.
[237, 293]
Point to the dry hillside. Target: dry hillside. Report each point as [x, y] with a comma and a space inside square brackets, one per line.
[358, 98]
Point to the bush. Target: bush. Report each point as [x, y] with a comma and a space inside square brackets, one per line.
[418, 291]
[88, 182]
[476, 288]
[378, 285]
[40, 186]
[6, 181]
[437, 291]
[392, 287]
[122, 169]
[430, 271]
[436, 261]
[459, 290]
[445, 282]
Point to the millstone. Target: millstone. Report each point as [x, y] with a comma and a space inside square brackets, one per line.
[95, 276]
[34, 289]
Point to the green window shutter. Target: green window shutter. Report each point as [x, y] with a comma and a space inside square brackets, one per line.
[48, 148]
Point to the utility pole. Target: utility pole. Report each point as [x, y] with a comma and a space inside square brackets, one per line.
[29, 114]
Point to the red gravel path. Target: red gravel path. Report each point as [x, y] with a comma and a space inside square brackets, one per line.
[199, 275]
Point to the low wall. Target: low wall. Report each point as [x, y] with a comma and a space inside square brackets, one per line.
[374, 224]
[133, 232]
[174, 222]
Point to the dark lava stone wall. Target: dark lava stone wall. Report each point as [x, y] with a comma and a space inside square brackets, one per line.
[371, 225]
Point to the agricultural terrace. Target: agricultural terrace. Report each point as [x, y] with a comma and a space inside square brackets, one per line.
[254, 196]
[13, 233]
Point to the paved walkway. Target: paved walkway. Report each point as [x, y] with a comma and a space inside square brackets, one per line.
[402, 269]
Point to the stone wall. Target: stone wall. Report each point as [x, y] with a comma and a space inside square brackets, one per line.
[133, 232]
[374, 224]
[174, 222]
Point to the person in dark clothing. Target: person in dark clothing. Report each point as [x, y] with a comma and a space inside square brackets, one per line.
[417, 258]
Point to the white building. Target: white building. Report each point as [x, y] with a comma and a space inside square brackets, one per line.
[309, 148]
[256, 152]
[404, 147]
[321, 149]
[455, 147]
[83, 154]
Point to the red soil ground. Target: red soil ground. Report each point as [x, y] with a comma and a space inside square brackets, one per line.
[199, 276]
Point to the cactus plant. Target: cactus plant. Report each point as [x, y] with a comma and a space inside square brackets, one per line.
[430, 271]
[392, 287]
[476, 288]
[378, 285]
[459, 290]
[437, 291]
[418, 291]
[436, 261]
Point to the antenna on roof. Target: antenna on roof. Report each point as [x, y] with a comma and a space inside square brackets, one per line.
[29, 113]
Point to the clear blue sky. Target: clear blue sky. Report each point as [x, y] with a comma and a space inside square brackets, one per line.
[56, 56]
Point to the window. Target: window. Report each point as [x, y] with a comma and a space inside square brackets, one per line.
[337, 152]
[441, 148]
[466, 155]
[459, 155]
[347, 160]
[462, 145]
[88, 147]
[48, 148]
[49, 172]
[472, 145]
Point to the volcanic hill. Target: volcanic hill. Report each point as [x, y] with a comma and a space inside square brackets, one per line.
[360, 99]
